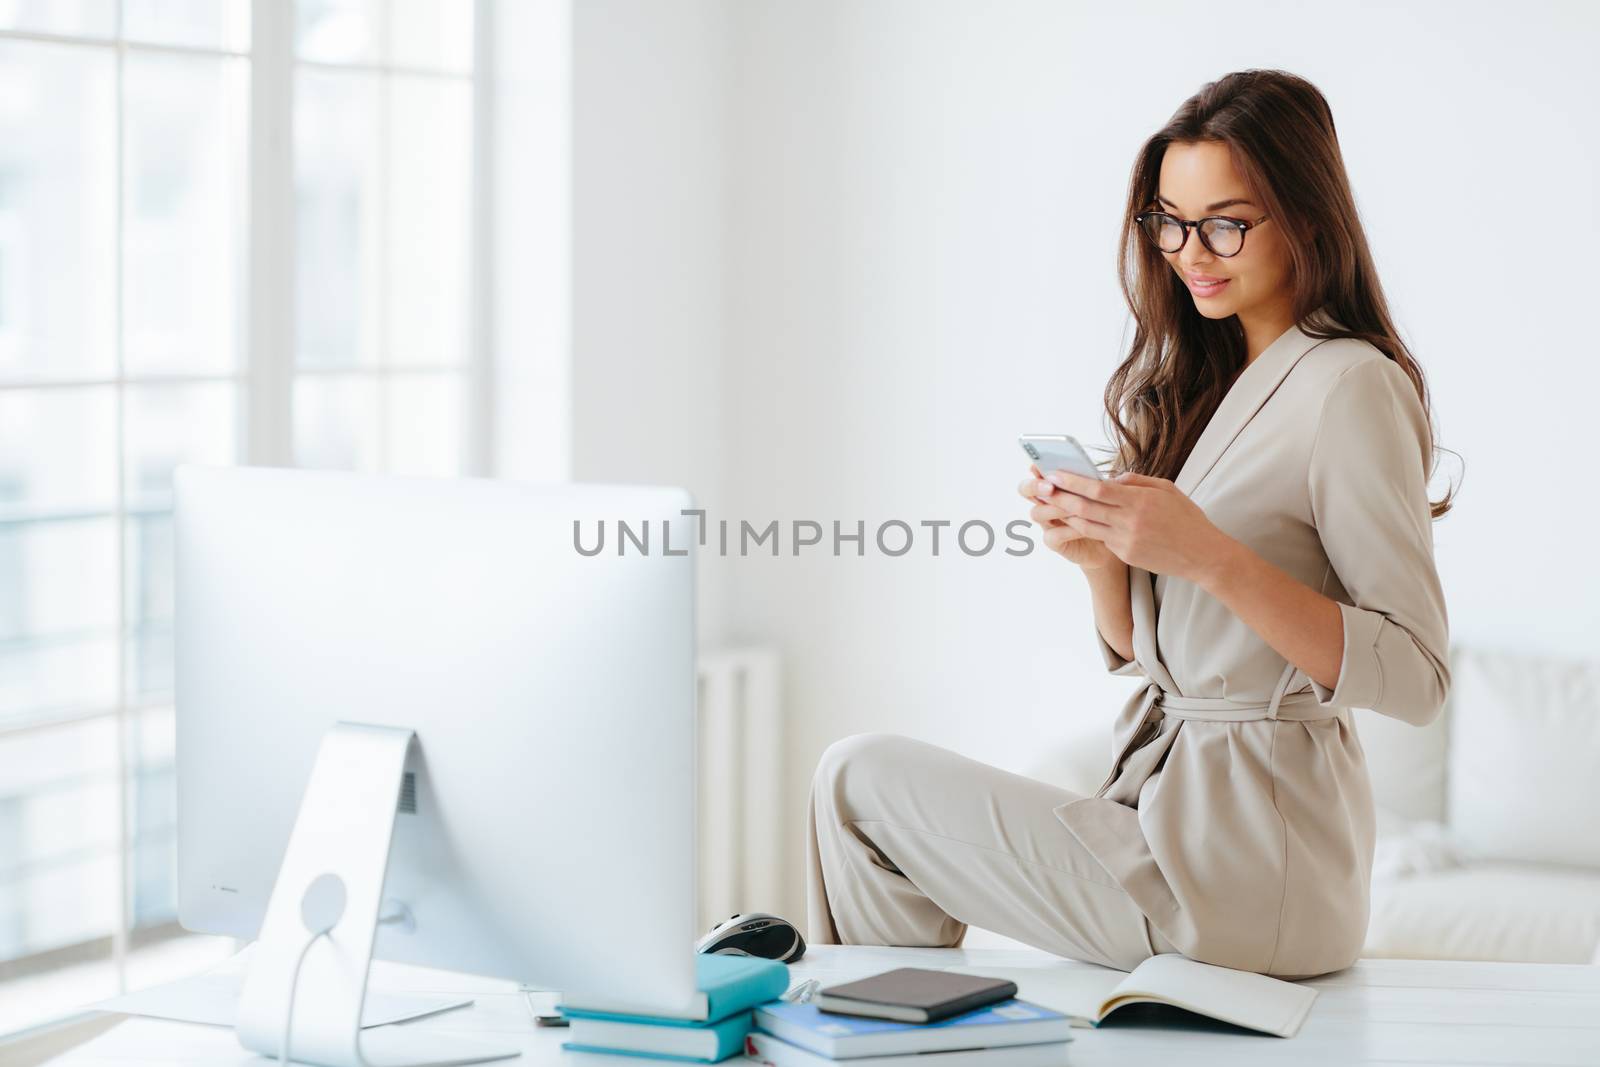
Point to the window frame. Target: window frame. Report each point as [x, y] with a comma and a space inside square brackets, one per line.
[267, 372]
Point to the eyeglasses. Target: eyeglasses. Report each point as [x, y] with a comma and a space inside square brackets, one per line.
[1224, 236]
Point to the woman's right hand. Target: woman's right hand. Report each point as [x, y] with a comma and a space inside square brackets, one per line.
[1085, 551]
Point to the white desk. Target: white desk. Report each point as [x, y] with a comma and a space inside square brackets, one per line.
[1380, 1011]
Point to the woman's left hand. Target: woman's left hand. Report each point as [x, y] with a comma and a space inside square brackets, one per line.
[1146, 522]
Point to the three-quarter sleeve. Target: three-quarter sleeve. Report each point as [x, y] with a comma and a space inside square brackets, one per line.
[1368, 487]
[1115, 663]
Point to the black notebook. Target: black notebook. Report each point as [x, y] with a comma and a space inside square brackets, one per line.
[915, 995]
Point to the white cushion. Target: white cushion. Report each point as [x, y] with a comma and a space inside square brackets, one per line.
[1490, 911]
[1524, 748]
[1406, 762]
[1407, 848]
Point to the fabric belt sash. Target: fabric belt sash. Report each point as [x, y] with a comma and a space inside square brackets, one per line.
[1293, 707]
[1300, 706]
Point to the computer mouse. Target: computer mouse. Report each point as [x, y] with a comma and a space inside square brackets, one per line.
[754, 933]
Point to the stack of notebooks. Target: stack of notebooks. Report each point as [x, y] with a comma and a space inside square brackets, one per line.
[927, 1018]
[911, 1016]
[711, 1029]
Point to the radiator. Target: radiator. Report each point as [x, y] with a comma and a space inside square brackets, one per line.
[740, 775]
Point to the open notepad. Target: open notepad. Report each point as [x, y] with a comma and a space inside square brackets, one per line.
[1242, 998]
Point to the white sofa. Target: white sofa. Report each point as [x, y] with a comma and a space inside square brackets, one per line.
[1488, 818]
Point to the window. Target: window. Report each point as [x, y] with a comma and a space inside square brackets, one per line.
[383, 100]
[155, 238]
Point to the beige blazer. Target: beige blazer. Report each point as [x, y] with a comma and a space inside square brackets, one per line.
[1238, 813]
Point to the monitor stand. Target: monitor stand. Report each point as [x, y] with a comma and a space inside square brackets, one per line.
[310, 964]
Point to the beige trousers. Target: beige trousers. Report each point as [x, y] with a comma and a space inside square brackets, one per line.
[908, 844]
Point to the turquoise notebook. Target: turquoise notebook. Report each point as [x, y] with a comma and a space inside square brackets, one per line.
[664, 1039]
[726, 984]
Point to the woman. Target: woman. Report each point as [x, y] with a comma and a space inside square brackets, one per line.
[1263, 559]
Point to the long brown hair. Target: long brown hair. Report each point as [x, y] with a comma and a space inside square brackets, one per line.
[1279, 130]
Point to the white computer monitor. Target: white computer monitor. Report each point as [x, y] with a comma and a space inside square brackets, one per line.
[544, 828]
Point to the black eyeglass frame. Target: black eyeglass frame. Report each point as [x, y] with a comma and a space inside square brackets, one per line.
[1244, 225]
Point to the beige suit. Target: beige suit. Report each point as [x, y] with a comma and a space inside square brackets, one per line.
[1236, 825]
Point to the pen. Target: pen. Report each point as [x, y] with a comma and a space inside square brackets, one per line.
[801, 993]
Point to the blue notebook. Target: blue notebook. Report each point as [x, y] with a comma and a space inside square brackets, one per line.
[726, 984]
[837, 1036]
[667, 1039]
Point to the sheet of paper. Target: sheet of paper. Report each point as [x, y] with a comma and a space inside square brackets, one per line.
[214, 999]
[155, 1041]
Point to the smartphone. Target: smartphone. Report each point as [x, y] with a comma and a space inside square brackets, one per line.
[1058, 452]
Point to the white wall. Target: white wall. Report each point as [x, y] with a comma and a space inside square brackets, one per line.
[529, 186]
[831, 257]
[648, 84]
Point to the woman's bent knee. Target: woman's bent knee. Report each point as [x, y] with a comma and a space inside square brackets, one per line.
[853, 768]
[850, 754]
